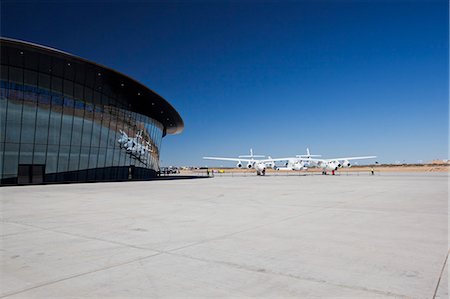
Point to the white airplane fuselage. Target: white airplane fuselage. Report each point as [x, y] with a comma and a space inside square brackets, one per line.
[260, 167]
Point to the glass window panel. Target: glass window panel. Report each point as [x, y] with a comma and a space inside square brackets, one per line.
[68, 88]
[26, 154]
[74, 158]
[78, 92]
[84, 157]
[28, 124]
[51, 165]
[57, 102]
[30, 95]
[97, 98]
[4, 72]
[42, 119]
[101, 157]
[127, 160]
[13, 122]
[10, 160]
[57, 84]
[2, 119]
[4, 90]
[96, 129]
[15, 75]
[87, 133]
[93, 157]
[54, 124]
[31, 78]
[63, 158]
[44, 100]
[66, 129]
[15, 94]
[155, 132]
[44, 81]
[105, 100]
[118, 159]
[104, 137]
[2, 151]
[133, 160]
[39, 154]
[79, 107]
[88, 95]
[76, 131]
[109, 157]
[113, 140]
[66, 122]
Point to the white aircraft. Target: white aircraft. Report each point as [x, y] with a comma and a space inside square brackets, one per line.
[298, 163]
[335, 163]
[260, 165]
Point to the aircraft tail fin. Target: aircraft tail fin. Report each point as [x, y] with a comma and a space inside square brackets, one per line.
[251, 155]
[308, 154]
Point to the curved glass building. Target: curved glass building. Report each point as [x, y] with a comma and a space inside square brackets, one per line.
[66, 119]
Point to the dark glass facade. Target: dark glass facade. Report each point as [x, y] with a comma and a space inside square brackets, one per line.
[65, 119]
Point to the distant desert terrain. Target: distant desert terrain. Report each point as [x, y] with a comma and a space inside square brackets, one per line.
[395, 168]
[376, 168]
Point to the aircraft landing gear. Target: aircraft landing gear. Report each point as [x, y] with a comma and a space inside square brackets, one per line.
[324, 173]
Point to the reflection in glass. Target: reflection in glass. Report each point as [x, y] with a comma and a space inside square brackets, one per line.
[49, 121]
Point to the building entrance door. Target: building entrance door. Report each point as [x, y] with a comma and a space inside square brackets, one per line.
[30, 174]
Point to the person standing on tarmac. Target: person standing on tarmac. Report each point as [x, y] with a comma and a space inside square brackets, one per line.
[371, 170]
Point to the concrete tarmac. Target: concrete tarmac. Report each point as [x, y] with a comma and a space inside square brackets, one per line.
[276, 236]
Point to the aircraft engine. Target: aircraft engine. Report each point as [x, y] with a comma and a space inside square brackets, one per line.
[249, 165]
[346, 163]
[239, 165]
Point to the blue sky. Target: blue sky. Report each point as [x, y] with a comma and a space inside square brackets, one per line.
[342, 77]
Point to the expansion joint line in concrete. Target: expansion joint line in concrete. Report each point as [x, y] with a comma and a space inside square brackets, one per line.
[276, 273]
[82, 236]
[440, 275]
[78, 275]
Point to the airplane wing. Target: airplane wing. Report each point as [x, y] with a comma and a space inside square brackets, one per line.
[353, 158]
[277, 159]
[228, 159]
[313, 159]
[337, 159]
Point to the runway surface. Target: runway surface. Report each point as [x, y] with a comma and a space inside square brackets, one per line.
[275, 236]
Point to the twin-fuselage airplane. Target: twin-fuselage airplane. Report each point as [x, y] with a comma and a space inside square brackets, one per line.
[260, 165]
[299, 162]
